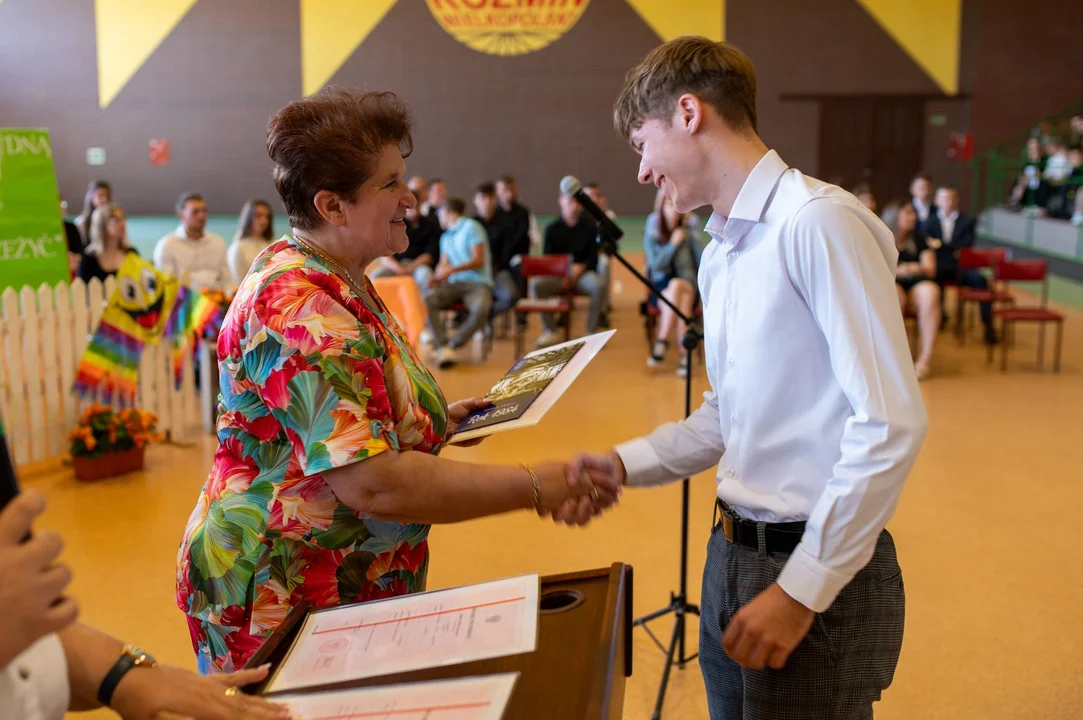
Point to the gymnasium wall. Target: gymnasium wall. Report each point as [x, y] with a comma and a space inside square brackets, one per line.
[95, 73]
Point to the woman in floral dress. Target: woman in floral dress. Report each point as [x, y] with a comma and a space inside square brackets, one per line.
[328, 472]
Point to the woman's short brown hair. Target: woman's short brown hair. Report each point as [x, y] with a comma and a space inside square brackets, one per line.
[331, 141]
[716, 72]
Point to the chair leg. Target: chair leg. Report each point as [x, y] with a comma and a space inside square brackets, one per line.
[518, 336]
[1004, 346]
[1057, 346]
[1041, 345]
[960, 308]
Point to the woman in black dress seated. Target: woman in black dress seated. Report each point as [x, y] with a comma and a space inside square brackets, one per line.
[914, 282]
[108, 243]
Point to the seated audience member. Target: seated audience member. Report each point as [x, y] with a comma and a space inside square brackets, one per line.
[108, 246]
[1062, 198]
[1030, 190]
[921, 197]
[97, 194]
[525, 234]
[51, 664]
[464, 275]
[505, 284]
[673, 252]
[915, 281]
[418, 259]
[255, 233]
[1075, 183]
[437, 194]
[1058, 169]
[1075, 126]
[74, 238]
[190, 250]
[571, 234]
[420, 188]
[948, 231]
[865, 196]
[594, 192]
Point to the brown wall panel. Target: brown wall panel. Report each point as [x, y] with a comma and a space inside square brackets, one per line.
[229, 64]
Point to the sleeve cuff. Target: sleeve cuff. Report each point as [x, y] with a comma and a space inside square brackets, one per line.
[641, 463]
[810, 582]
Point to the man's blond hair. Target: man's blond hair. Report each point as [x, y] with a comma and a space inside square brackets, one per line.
[716, 72]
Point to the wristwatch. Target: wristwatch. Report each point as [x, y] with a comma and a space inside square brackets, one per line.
[130, 657]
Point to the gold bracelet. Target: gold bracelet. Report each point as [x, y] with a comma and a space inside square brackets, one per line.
[536, 482]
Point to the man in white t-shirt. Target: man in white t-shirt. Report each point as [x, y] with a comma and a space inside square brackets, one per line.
[190, 251]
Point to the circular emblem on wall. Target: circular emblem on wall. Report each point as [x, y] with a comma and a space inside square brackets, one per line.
[507, 27]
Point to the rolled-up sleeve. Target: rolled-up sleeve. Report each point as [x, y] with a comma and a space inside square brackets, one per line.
[844, 272]
[675, 450]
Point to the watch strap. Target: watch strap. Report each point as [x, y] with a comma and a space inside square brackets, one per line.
[112, 678]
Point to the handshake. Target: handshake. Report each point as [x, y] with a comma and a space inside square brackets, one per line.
[577, 491]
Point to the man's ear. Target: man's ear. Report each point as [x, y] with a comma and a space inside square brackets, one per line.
[689, 113]
[330, 207]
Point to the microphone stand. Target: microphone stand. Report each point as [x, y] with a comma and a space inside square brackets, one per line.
[678, 602]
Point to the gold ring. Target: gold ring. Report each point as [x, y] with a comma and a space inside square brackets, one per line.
[594, 494]
[231, 691]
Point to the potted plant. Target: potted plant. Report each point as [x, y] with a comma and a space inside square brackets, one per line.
[109, 442]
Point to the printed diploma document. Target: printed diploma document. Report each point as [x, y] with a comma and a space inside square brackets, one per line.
[473, 698]
[413, 632]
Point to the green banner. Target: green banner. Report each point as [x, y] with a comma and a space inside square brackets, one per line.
[33, 249]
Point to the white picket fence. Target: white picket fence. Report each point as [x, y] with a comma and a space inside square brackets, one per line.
[42, 337]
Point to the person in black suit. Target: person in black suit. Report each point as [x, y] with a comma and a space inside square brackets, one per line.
[949, 231]
[921, 197]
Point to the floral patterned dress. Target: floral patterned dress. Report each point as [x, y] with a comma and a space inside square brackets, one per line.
[312, 378]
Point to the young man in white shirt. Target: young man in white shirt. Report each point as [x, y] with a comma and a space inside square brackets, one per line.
[190, 251]
[815, 416]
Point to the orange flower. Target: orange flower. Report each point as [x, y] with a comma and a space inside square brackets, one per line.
[90, 443]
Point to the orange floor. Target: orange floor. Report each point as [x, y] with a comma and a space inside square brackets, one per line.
[988, 529]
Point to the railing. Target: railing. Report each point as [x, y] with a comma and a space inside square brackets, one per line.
[43, 334]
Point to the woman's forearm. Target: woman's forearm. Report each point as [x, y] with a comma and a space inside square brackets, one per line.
[90, 654]
[415, 487]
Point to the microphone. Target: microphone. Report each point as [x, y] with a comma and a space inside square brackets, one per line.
[571, 186]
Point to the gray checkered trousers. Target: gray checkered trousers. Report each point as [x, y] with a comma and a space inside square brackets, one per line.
[839, 669]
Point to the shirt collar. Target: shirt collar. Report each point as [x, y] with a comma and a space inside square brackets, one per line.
[953, 216]
[751, 203]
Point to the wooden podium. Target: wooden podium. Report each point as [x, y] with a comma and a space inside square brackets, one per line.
[578, 670]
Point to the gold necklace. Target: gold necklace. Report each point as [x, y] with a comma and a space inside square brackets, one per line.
[335, 265]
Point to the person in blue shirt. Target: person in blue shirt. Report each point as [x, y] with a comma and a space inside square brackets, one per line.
[464, 274]
[673, 248]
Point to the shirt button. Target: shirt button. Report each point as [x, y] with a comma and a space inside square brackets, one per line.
[731, 472]
[734, 254]
[731, 362]
[729, 305]
[733, 419]
[24, 673]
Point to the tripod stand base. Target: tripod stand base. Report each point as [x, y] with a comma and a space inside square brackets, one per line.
[675, 653]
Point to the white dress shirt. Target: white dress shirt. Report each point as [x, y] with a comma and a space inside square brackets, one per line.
[947, 226]
[922, 209]
[815, 412]
[203, 261]
[34, 686]
[241, 254]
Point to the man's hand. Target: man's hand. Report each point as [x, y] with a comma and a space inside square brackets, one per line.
[601, 470]
[169, 692]
[766, 630]
[440, 274]
[32, 584]
[459, 411]
[563, 487]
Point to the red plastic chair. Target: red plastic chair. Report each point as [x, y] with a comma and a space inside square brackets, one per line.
[1027, 271]
[978, 259]
[535, 267]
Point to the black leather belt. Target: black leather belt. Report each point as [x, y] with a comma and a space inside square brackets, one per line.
[779, 537]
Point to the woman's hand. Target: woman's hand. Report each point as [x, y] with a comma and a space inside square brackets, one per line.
[168, 693]
[563, 489]
[459, 411]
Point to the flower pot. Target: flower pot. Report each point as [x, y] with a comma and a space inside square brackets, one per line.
[88, 469]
